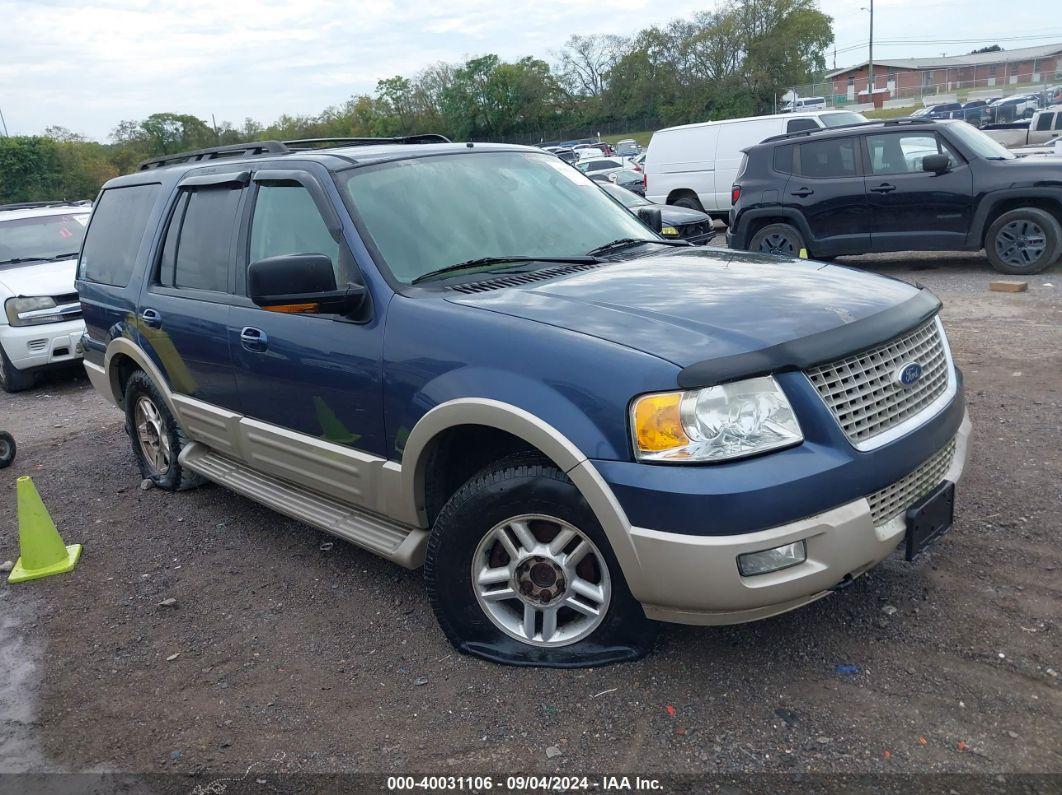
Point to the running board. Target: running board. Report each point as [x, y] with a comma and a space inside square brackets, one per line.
[397, 542]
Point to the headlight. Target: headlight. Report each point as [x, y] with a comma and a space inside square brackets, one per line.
[714, 424]
[31, 311]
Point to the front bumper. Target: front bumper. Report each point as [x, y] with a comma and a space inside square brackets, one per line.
[29, 347]
[695, 580]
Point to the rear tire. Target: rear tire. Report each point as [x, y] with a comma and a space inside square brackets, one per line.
[780, 240]
[500, 591]
[156, 437]
[7, 449]
[689, 202]
[11, 378]
[1023, 241]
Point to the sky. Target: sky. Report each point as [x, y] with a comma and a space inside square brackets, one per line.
[88, 66]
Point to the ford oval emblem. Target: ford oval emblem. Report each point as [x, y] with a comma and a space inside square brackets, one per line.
[909, 374]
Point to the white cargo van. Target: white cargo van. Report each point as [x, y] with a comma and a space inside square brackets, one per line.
[695, 165]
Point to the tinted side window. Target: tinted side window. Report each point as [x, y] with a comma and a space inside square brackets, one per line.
[115, 233]
[1043, 121]
[796, 125]
[783, 159]
[902, 153]
[826, 159]
[287, 221]
[203, 248]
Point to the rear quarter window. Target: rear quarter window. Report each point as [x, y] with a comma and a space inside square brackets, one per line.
[115, 233]
[783, 159]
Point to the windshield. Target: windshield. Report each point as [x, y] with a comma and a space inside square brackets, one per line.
[624, 196]
[425, 213]
[981, 144]
[842, 117]
[42, 237]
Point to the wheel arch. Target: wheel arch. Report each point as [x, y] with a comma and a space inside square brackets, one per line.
[122, 358]
[1048, 200]
[536, 435]
[752, 221]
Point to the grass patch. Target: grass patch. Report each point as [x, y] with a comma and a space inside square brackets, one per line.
[641, 137]
[890, 113]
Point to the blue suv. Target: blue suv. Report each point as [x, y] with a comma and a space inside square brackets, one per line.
[470, 357]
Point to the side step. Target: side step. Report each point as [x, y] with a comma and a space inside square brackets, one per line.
[397, 542]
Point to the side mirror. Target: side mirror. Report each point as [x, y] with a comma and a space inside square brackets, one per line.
[651, 217]
[297, 283]
[937, 164]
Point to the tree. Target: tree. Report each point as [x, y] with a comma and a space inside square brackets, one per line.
[991, 48]
[586, 61]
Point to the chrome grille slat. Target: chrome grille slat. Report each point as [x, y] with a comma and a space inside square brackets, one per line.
[896, 498]
[861, 392]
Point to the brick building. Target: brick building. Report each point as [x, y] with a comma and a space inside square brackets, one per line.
[912, 77]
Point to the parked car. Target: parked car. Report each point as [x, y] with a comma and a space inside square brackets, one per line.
[1044, 126]
[974, 112]
[41, 325]
[1013, 108]
[572, 423]
[801, 104]
[694, 165]
[628, 147]
[678, 223]
[564, 153]
[600, 167]
[630, 180]
[942, 110]
[897, 186]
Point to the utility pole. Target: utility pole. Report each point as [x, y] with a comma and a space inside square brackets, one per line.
[871, 51]
[3, 123]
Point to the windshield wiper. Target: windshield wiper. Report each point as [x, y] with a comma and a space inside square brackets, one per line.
[481, 261]
[17, 260]
[628, 242]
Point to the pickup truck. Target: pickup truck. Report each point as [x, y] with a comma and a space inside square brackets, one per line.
[1044, 126]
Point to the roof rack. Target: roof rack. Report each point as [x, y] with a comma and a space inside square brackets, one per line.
[315, 143]
[35, 205]
[868, 123]
[214, 153]
[255, 148]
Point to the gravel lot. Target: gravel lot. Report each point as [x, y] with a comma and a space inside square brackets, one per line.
[292, 654]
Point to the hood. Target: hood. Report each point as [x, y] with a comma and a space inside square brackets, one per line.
[690, 305]
[40, 278]
[681, 216]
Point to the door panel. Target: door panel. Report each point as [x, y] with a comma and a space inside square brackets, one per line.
[182, 320]
[827, 187]
[319, 375]
[911, 208]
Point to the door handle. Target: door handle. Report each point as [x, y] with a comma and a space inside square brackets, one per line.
[254, 339]
[802, 192]
[151, 318]
[884, 187]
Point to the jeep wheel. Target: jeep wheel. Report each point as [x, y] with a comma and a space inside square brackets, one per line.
[1023, 241]
[782, 240]
[519, 571]
[11, 378]
[156, 437]
[7, 449]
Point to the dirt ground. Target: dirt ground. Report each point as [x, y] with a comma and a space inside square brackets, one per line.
[285, 652]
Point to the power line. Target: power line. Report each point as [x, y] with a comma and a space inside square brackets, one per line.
[938, 42]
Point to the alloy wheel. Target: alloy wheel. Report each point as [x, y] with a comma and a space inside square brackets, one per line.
[541, 580]
[778, 244]
[151, 432]
[1021, 243]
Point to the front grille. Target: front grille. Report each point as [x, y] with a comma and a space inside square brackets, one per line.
[893, 500]
[37, 345]
[863, 393]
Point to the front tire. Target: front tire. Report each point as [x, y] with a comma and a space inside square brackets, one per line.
[689, 202]
[1023, 241]
[11, 378]
[519, 571]
[156, 437]
[780, 240]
